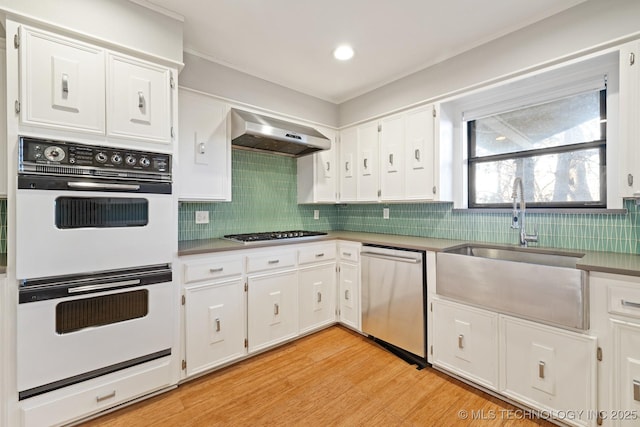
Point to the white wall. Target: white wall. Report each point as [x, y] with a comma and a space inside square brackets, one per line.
[226, 82]
[579, 28]
[116, 21]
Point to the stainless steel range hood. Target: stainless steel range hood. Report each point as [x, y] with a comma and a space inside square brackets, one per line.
[252, 131]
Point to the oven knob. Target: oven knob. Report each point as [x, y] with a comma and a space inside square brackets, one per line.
[72, 160]
[116, 159]
[144, 162]
[54, 154]
[131, 161]
[101, 157]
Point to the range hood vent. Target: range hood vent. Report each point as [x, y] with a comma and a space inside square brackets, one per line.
[252, 131]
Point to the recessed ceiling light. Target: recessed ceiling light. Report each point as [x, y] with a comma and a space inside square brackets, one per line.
[343, 53]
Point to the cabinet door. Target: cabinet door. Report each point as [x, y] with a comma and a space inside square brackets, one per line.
[629, 94]
[348, 170]
[272, 309]
[214, 324]
[205, 150]
[626, 378]
[62, 83]
[419, 154]
[392, 179]
[466, 342]
[549, 368]
[139, 100]
[349, 295]
[317, 286]
[326, 171]
[368, 168]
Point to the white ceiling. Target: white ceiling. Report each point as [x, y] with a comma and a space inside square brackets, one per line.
[290, 42]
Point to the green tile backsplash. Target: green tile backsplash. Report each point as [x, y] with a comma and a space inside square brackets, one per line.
[264, 199]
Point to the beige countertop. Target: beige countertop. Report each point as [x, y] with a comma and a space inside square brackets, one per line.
[607, 262]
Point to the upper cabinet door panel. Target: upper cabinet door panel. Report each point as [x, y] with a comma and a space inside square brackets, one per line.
[139, 101]
[62, 83]
[419, 154]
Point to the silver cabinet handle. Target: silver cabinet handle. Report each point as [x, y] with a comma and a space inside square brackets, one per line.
[102, 186]
[460, 341]
[541, 366]
[273, 261]
[320, 255]
[346, 253]
[346, 166]
[65, 84]
[328, 166]
[103, 286]
[629, 180]
[217, 324]
[319, 296]
[636, 390]
[346, 294]
[276, 309]
[632, 58]
[106, 397]
[202, 147]
[391, 159]
[365, 162]
[216, 270]
[630, 304]
[140, 99]
[416, 154]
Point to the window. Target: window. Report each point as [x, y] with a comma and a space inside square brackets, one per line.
[558, 148]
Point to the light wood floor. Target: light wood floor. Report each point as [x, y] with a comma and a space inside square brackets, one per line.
[334, 377]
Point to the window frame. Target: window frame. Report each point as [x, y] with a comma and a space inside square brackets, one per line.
[601, 145]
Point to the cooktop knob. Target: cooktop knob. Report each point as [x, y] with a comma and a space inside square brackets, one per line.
[101, 157]
[144, 162]
[131, 161]
[116, 159]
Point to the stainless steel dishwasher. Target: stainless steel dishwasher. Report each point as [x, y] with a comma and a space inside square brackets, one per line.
[393, 300]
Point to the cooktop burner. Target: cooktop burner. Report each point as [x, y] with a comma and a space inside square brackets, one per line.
[273, 235]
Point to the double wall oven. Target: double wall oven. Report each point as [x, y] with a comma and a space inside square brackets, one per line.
[95, 234]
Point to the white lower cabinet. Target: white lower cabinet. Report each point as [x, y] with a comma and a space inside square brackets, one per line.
[626, 393]
[215, 324]
[272, 309]
[317, 296]
[349, 285]
[466, 342]
[550, 369]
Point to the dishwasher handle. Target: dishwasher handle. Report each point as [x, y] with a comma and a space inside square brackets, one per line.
[409, 260]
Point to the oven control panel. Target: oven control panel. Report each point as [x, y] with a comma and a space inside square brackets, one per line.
[73, 156]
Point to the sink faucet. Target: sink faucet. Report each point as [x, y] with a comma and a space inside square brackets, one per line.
[518, 215]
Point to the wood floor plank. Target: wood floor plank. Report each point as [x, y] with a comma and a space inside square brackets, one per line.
[334, 377]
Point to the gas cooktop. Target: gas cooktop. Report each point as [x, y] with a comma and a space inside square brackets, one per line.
[273, 235]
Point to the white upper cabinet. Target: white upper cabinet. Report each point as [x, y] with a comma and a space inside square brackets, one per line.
[62, 82]
[348, 157]
[420, 160]
[139, 100]
[392, 138]
[204, 148]
[629, 119]
[71, 86]
[368, 169]
[318, 173]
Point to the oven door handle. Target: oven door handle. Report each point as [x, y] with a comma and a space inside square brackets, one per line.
[103, 286]
[102, 186]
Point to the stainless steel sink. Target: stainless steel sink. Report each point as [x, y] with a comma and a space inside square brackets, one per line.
[530, 283]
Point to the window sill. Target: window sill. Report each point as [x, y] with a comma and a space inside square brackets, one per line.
[546, 211]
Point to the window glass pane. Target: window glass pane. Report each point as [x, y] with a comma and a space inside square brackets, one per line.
[571, 177]
[566, 121]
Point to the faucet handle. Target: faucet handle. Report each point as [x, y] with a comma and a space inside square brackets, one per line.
[514, 221]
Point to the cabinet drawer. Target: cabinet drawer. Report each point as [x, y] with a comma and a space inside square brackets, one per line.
[624, 300]
[211, 269]
[349, 252]
[83, 399]
[270, 261]
[317, 253]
